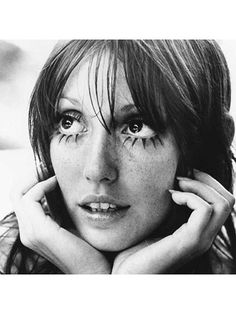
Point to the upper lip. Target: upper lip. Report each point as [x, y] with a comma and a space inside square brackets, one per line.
[102, 199]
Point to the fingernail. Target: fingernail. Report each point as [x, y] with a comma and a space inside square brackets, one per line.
[172, 191]
[52, 178]
[183, 178]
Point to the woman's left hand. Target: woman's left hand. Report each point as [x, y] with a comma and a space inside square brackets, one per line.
[211, 204]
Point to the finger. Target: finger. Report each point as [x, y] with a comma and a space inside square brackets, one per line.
[28, 208]
[203, 211]
[220, 205]
[207, 179]
[23, 185]
[209, 194]
[37, 192]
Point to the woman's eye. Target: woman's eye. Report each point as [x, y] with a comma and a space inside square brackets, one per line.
[71, 124]
[138, 128]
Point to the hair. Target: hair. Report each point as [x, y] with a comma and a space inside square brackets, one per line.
[179, 85]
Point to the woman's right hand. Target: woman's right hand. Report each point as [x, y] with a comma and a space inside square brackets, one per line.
[43, 235]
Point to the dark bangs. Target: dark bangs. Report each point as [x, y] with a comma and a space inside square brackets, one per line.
[142, 74]
[144, 79]
[177, 85]
[164, 88]
[43, 113]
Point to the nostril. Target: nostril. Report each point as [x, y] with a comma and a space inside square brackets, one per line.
[106, 179]
[98, 178]
[105, 173]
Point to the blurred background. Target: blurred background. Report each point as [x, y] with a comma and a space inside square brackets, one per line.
[20, 64]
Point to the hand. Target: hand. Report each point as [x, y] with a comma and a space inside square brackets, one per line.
[211, 204]
[42, 234]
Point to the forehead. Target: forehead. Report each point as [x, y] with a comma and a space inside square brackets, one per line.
[91, 81]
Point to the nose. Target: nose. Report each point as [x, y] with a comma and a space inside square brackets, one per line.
[101, 161]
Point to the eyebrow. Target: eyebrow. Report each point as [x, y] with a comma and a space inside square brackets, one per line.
[126, 108]
[74, 101]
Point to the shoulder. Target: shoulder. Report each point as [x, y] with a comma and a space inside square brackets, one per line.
[8, 235]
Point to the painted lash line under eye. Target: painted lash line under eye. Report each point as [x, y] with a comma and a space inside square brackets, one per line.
[68, 137]
[74, 115]
[61, 137]
[153, 142]
[144, 141]
[77, 116]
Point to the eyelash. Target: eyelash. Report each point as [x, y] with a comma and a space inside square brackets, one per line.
[74, 115]
[75, 137]
[133, 140]
[67, 137]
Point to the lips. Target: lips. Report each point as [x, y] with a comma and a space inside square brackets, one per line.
[102, 204]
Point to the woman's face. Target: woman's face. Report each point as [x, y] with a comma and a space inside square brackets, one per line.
[115, 185]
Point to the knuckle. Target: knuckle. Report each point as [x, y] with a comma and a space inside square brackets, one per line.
[225, 205]
[209, 209]
[231, 201]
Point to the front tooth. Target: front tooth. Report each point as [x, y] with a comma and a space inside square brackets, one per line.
[112, 206]
[94, 205]
[104, 206]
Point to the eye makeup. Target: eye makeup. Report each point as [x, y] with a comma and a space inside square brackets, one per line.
[71, 126]
[137, 130]
[68, 138]
[144, 141]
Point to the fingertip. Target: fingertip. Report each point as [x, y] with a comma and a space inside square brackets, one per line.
[172, 191]
[53, 178]
[176, 197]
[52, 181]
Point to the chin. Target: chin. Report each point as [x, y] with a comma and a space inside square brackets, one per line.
[108, 243]
[109, 246]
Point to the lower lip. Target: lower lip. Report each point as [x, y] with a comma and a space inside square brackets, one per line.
[102, 217]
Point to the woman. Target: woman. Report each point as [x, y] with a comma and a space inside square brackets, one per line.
[119, 129]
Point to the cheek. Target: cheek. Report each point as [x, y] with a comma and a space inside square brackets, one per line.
[66, 164]
[147, 179]
[144, 175]
[152, 173]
